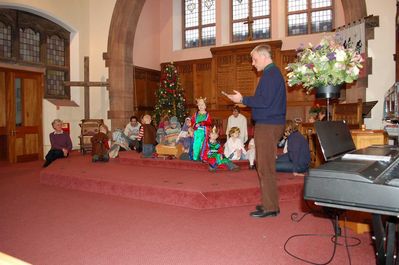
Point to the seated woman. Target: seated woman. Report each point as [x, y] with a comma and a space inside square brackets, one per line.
[234, 148]
[61, 143]
[296, 157]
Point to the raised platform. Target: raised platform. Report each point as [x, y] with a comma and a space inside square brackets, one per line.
[173, 182]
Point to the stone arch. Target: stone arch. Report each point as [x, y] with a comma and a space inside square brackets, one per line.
[119, 57]
[119, 60]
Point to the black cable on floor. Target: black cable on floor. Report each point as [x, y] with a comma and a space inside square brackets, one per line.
[334, 237]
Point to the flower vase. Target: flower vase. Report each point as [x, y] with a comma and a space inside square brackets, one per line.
[328, 91]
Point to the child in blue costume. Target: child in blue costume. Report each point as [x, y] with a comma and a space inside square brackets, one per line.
[201, 122]
[214, 156]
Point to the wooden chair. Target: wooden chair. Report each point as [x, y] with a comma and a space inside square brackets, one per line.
[350, 113]
[89, 127]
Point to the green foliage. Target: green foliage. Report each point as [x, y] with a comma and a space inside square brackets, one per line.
[170, 96]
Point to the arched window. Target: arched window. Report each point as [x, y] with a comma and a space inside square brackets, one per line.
[199, 23]
[29, 45]
[250, 20]
[309, 16]
[5, 40]
[28, 39]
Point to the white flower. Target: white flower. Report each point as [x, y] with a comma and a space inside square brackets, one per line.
[339, 66]
[354, 71]
[340, 55]
[303, 69]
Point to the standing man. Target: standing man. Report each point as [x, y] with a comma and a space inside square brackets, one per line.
[238, 120]
[268, 111]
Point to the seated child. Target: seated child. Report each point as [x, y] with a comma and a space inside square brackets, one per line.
[120, 143]
[100, 146]
[147, 136]
[172, 132]
[234, 147]
[163, 125]
[214, 156]
[251, 153]
[187, 143]
[297, 157]
[184, 131]
[61, 143]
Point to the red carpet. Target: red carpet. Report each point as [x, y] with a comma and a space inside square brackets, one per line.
[48, 225]
[173, 182]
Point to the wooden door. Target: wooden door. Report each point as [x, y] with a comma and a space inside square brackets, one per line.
[21, 115]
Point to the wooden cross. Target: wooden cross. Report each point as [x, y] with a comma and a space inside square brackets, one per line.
[249, 21]
[86, 84]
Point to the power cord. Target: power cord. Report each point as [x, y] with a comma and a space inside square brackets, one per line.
[334, 237]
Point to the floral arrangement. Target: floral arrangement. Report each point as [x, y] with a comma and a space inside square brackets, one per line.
[328, 63]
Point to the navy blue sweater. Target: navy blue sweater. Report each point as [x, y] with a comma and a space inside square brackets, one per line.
[298, 151]
[269, 102]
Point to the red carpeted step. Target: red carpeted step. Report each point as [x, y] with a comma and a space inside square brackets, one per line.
[198, 189]
[135, 159]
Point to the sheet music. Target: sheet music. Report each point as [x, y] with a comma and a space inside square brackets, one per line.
[367, 157]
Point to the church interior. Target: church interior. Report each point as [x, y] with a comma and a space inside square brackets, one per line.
[95, 63]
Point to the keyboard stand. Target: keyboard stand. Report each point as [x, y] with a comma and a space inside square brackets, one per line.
[385, 240]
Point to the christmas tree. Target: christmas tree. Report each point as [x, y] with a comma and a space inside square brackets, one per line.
[170, 96]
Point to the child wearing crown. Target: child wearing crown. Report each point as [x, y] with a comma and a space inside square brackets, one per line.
[201, 122]
[214, 156]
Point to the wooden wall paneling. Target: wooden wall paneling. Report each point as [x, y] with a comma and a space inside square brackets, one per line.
[298, 102]
[2, 99]
[3, 130]
[225, 75]
[232, 70]
[186, 74]
[295, 93]
[146, 84]
[140, 87]
[203, 79]
[153, 78]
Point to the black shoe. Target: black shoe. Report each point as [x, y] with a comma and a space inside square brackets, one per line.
[252, 167]
[262, 214]
[259, 207]
[47, 163]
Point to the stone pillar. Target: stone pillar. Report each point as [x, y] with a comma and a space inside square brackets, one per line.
[119, 60]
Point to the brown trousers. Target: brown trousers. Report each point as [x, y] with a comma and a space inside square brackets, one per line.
[266, 139]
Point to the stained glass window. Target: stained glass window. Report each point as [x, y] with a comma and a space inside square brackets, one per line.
[309, 16]
[36, 42]
[199, 23]
[55, 50]
[29, 45]
[251, 20]
[54, 81]
[5, 40]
